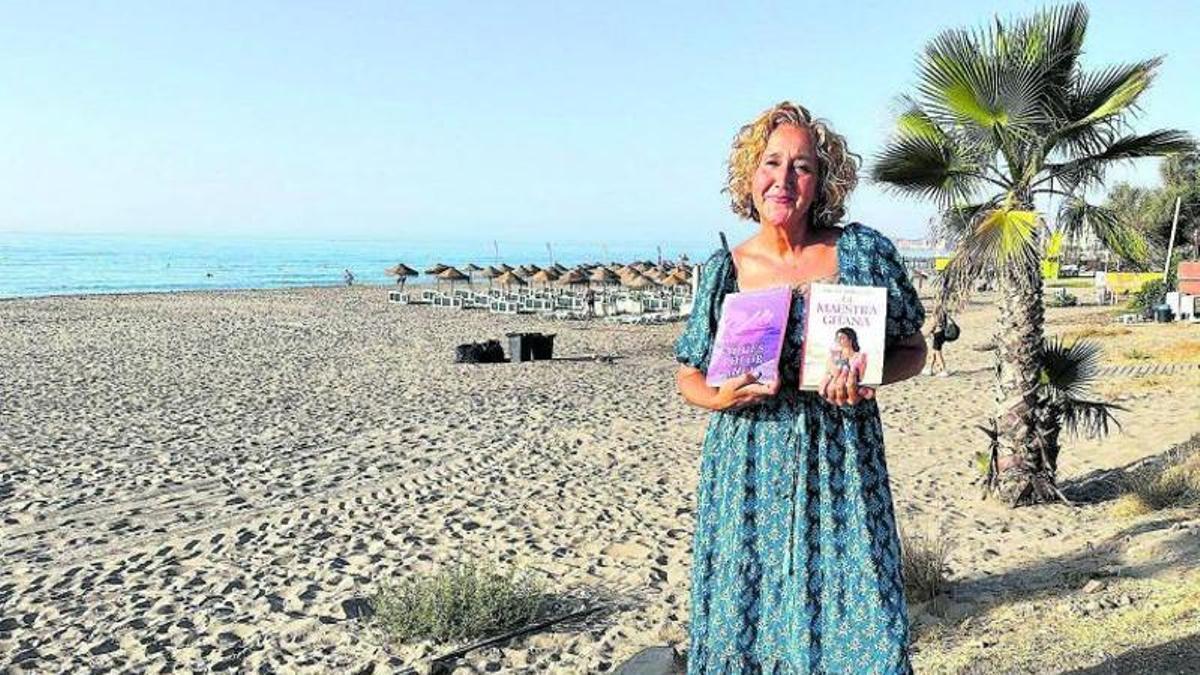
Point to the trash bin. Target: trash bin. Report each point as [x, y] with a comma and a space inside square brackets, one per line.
[520, 347]
[1162, 313]
[542, 348]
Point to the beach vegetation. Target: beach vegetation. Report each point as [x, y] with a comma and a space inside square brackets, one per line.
[1171, 484]
[1005, 122]
[923, 561]
[1150, 295]
[462, 602]
[1061, 299]
[1139, 626]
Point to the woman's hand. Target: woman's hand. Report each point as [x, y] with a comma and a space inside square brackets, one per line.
[742, 391]
[737, 392]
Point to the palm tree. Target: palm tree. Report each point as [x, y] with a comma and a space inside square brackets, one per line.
[1003, 118]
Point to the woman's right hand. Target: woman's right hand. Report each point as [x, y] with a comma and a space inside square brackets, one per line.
[743, 391]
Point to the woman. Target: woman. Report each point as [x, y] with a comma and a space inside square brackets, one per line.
[938, 334]
[796, 564]
[847, 363]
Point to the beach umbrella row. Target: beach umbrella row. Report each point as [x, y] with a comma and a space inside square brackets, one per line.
[637, 275]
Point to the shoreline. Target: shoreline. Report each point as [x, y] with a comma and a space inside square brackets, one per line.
[201, 291]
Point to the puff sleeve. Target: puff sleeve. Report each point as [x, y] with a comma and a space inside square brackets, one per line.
[693, 347]
[905, 313]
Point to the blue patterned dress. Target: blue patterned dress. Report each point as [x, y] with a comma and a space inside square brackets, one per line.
[796, 560]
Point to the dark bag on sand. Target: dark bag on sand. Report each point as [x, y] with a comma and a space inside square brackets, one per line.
[479, 352]
[952, 330]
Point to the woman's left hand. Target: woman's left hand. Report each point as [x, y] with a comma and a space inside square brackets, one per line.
[844, 392]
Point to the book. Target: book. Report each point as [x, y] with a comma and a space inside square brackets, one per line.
[843, 335]
[750, 335]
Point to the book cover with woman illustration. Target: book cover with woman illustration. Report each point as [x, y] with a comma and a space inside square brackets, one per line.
[843, 337]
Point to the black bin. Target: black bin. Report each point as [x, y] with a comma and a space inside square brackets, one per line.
[542, 348]
[1163, 313]
[520, 347]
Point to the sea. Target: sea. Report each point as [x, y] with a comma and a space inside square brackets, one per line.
[34, 265]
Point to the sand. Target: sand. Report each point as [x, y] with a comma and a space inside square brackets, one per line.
[217, 480]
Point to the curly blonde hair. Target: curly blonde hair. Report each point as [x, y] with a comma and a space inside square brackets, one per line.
[838, 171]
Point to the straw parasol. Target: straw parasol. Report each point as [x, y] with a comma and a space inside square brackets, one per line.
[676, 278]
[402, 272]
[603, 275]
[573, 277]
[510, 278]
[545, 276]
[436, 269]
[638, 281]
[490, 273]
[452, 275]
[559, 267]
[504, 267]
[626, 271]
[471, 269]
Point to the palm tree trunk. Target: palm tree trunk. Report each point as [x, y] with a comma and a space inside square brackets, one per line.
[1026, 430]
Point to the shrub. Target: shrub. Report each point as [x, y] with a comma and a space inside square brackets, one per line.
[1061, 298]
[461, 603]
[1150, 295]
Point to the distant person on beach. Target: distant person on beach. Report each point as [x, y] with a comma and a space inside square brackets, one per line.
[796, 563]
[937, 334]
[590, 298]
[348, 276]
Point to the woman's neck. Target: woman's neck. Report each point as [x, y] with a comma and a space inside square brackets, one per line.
[787, 239]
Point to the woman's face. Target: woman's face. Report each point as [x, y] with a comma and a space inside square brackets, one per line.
[785, 181]
[843, 341]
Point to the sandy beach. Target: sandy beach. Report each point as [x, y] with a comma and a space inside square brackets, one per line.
[215, 481]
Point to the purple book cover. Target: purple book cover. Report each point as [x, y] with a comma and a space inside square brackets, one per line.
[750, 335]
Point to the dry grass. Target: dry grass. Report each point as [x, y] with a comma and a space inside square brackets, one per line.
[1181, 352]
[923, 559]
[1050, 634]
[1096, 332]
[1175, 484]
[1071, 282]
[1125, 387]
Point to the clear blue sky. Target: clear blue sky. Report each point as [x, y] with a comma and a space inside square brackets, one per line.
[522, 121]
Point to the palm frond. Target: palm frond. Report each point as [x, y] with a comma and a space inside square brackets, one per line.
[1154, 144]
[914, 122]
[966, 85]
[957, 222]
[1076, 216]
[926, 167]
[1111, 91]
[1004, 235]
[1068, 370]
[1063, 29]
[997, 237]
[1089, 418]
